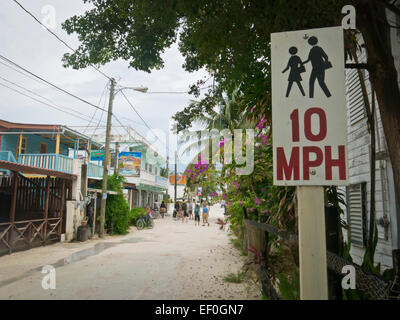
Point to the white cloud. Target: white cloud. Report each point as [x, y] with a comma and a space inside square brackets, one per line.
[28, 44]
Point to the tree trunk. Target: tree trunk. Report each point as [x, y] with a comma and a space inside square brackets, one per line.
[372, 22]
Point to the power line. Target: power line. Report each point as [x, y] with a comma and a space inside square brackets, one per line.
[175, 92]
[51, 84]
[40, 96]
[101, 116]
[95, 111]
[24, 74]
[57, 37]
[134, 109]
[42, 102]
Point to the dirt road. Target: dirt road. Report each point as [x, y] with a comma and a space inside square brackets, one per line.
[174, 260]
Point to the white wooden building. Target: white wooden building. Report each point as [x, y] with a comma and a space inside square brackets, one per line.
[359, 155]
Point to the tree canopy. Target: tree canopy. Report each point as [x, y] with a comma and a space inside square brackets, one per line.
[231, 40]
[228, 38]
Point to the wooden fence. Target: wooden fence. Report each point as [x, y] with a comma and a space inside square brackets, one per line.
[257, 235]
[31, 211]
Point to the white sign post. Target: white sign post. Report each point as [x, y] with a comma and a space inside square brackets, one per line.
[309, 136]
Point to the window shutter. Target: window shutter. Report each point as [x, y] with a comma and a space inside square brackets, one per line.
[354, 96]
[356, 212]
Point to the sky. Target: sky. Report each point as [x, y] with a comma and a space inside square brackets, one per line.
[27, 43]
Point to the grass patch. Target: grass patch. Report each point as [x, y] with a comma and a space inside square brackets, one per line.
[235, 278]
[237, 243]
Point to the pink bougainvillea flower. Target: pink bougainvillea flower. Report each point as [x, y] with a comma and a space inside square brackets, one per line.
[264, 138]
[251, 209]
[241, 203]
[261, 123]
[252, 109]
[257, 201]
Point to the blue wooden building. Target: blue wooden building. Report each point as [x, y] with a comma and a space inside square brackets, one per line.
[46, 146]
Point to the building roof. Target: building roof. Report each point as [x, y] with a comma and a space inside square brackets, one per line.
[68, 136]
[17, 167]
[29, 126]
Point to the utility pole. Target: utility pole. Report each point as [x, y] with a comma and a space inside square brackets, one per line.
[167, 179]
[106, 160]
[175, 176]
[116, 158]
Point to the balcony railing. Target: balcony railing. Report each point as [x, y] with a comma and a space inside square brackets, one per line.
[95, 171]
[48, 161]
[162, 181]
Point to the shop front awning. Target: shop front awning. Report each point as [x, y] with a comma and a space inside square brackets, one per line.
[92, 190]
[129, 186]
[150, 188]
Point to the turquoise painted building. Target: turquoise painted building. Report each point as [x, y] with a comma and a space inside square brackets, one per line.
[45, 146]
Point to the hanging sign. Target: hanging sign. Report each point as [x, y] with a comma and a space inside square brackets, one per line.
[130, 163]
[97, 155]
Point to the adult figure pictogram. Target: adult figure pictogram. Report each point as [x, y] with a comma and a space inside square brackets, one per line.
[320, 62]
[296, 68]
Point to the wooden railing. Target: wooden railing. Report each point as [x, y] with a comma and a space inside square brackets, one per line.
[26, 232]
[163, 182]
[95, 170]
[257, 235]
[48, 161]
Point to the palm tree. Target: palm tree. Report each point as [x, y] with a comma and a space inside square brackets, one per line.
[229, 116]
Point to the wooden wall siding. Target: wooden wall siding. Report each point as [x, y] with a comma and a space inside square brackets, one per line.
[40, 205]
[359, 163]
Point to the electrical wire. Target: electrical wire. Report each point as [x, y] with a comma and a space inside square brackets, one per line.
[141, 118]
[44, 98]
[57, 37]
[51, 84]
[95, 111]
[42, 102]
[24, 74]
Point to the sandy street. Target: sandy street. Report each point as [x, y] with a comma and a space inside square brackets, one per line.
[174, 260]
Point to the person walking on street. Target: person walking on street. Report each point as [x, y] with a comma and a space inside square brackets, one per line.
[163, 209]
[176, 210]
[185, 212]
[180, 212]
[206, 212]
[190, 209]
[90, 215]
[197, 215]
[148, 215]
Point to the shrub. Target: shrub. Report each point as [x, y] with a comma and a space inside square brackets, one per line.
[117, 214]
[117, 208]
